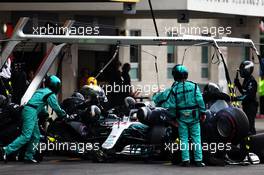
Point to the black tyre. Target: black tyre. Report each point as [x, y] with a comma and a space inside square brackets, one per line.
[256, 143]
[238, 152]
[9, 133]
[242, 125]
[158, 134]
[103, 156]
[232, 124]
[176, 158]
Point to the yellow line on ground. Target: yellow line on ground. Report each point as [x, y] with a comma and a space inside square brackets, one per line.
[167, 163]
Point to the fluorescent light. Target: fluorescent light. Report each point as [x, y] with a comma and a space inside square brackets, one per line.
[4, 28]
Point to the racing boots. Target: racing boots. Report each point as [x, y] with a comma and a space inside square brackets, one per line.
[199, 164]
[185, 164]
[31, 161]
[3, 154]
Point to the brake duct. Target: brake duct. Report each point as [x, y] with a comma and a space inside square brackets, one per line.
[187, 40]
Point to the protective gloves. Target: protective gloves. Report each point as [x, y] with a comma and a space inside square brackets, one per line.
[70, 117]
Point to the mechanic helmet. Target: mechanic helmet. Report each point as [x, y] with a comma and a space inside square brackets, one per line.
[211, 88]
[143, 115]
[78, 95]
[3, 100]
[179, 72]
[91, 81]
[53, 83]
[246, 68]
[90, 94]
[98, 91]
[130, 102]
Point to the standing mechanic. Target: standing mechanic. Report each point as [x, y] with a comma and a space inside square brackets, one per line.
[248, 92]
[261, 90]
[30, 130]
[261, 94]
[185, 99]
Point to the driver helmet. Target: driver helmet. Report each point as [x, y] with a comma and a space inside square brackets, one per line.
[91, 81]
[211, 88]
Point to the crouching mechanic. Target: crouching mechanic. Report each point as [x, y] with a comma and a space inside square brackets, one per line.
[185, 100]
[30, 130]
[94, 93]
[92, 83]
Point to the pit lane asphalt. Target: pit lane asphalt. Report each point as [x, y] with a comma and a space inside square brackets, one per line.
[71, 166]
[77, 167]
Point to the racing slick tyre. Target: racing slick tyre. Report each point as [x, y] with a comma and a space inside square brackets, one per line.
[238, 152]
[232, 124]
[256, 143]
[103, 156]
[9, 133]
[176, 157]
[159, 134]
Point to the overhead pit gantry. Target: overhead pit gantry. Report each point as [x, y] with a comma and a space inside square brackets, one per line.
[187, 40]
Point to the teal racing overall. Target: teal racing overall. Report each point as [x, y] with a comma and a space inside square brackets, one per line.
[164, 100]
[189, 106]
[30, 129]
[184, 100]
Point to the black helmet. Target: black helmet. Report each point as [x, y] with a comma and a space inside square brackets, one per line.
[95, 111]
[90, 95]
[92, 114]
[78, 95]
[179, 72]
[143, 115]
[130, 102]
[99, 92]
[246, 68]
[3, 100]
[53, 83]
[211, 88]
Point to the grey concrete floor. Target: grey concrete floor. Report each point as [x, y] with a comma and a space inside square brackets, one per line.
[55, 167]
[66, 166]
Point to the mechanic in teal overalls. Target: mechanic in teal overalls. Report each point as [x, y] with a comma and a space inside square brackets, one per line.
[184, 100]
[30, 130]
